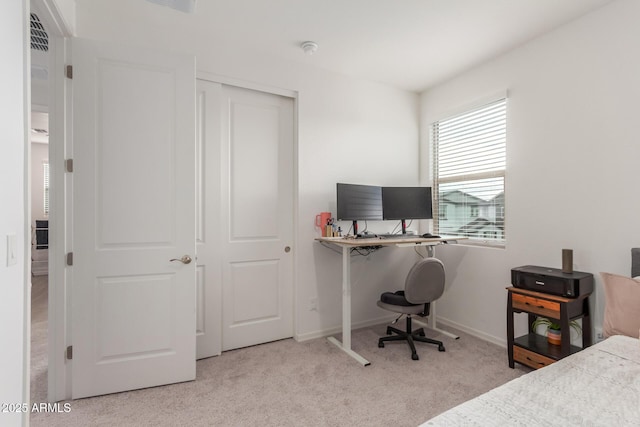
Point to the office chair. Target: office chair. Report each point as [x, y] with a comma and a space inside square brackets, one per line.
[424, 283]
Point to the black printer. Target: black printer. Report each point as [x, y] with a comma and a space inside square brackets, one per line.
[552, 281]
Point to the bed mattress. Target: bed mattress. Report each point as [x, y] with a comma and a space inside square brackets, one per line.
[598, 386]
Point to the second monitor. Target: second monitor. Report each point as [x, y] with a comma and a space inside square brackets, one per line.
[403, 203]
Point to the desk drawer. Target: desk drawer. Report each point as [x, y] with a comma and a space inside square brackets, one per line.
[529, 358]
[535, 305]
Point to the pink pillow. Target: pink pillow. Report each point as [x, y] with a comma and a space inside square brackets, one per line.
[622, 305]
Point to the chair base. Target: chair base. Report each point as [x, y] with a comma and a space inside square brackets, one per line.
[409, 336]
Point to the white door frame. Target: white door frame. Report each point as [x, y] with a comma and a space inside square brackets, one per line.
[58, 382]
[60, 202]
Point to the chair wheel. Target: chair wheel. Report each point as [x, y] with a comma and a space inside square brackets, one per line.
[422, 334]
[440, 347]
[414, 356]
[380, 344]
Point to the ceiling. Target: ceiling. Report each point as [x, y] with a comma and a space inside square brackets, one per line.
[409, 44]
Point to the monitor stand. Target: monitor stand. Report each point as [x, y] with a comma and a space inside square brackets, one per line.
[355, 229]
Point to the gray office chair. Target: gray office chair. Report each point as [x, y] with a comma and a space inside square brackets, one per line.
[424, 283]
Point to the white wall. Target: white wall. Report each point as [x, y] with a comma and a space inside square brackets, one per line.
[13, 292]
[348, 130]
[67, 11]
[572, 161]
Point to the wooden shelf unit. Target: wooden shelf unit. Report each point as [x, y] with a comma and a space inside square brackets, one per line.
[532, 349]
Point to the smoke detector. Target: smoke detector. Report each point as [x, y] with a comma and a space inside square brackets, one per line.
[309, 47]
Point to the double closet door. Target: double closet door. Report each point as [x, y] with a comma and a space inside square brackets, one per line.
[244, 211]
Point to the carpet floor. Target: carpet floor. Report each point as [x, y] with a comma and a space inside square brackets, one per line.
[289, 383]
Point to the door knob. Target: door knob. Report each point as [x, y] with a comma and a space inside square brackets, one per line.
[287, 249]
[185, 259]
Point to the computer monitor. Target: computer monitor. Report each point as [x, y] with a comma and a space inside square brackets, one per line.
[358, 202]
[402, 203]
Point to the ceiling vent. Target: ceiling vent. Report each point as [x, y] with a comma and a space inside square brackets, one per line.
[39, 37]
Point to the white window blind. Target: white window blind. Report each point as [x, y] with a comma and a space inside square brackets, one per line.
[469, 169]
[45, 171]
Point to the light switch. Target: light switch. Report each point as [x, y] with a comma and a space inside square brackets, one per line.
[12, 250]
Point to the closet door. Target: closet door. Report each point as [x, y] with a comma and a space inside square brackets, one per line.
[257, 216]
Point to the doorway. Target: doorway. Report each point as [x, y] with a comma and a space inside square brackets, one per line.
[48, 94]
[39, 252]
[39, 190]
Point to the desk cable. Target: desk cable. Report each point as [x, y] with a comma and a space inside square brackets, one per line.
[359, 251]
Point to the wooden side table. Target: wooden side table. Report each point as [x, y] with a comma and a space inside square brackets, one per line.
[532, 349]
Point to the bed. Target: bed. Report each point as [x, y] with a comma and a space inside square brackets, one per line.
[598, 386]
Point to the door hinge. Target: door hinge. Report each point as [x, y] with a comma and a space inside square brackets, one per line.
[68, 165]
[68, 71]
[69, 352]
[70, 258]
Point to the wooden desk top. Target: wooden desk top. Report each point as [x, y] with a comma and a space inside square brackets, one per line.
[379, 241]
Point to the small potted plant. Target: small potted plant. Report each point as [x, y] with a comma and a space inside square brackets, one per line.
[554, 335]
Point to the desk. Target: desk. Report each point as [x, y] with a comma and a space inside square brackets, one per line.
[349, 243]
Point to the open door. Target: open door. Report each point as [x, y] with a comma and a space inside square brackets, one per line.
[133, 277]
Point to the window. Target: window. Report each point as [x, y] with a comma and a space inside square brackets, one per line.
[469, 155]
[442, 209]
[46, 187]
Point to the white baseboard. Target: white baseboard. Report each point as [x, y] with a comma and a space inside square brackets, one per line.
[476, 333]
[338, 329]
[388, 319]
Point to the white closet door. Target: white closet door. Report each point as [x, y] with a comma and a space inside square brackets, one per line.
[133, 310]
[257, 201]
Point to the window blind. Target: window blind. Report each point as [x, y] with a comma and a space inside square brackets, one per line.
[469, 170]
[46, 187]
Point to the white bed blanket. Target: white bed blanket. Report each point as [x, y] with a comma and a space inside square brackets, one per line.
[598, 386]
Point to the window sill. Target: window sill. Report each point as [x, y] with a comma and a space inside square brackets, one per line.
[482, 244]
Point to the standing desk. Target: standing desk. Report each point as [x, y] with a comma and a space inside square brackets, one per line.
[347, 243]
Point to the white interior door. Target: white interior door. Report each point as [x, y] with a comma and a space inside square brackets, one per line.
[133, 310]
[208, 194]
[257, 199]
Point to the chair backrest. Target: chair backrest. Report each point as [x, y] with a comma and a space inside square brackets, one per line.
[635, 262]
[425, 281]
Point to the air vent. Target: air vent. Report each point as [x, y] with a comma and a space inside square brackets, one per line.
[39, 37]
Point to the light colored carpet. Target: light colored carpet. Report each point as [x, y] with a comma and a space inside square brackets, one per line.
[286, 383]
[39, 345]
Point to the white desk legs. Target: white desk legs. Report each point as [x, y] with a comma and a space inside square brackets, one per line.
[345, 345]
[431, 322]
